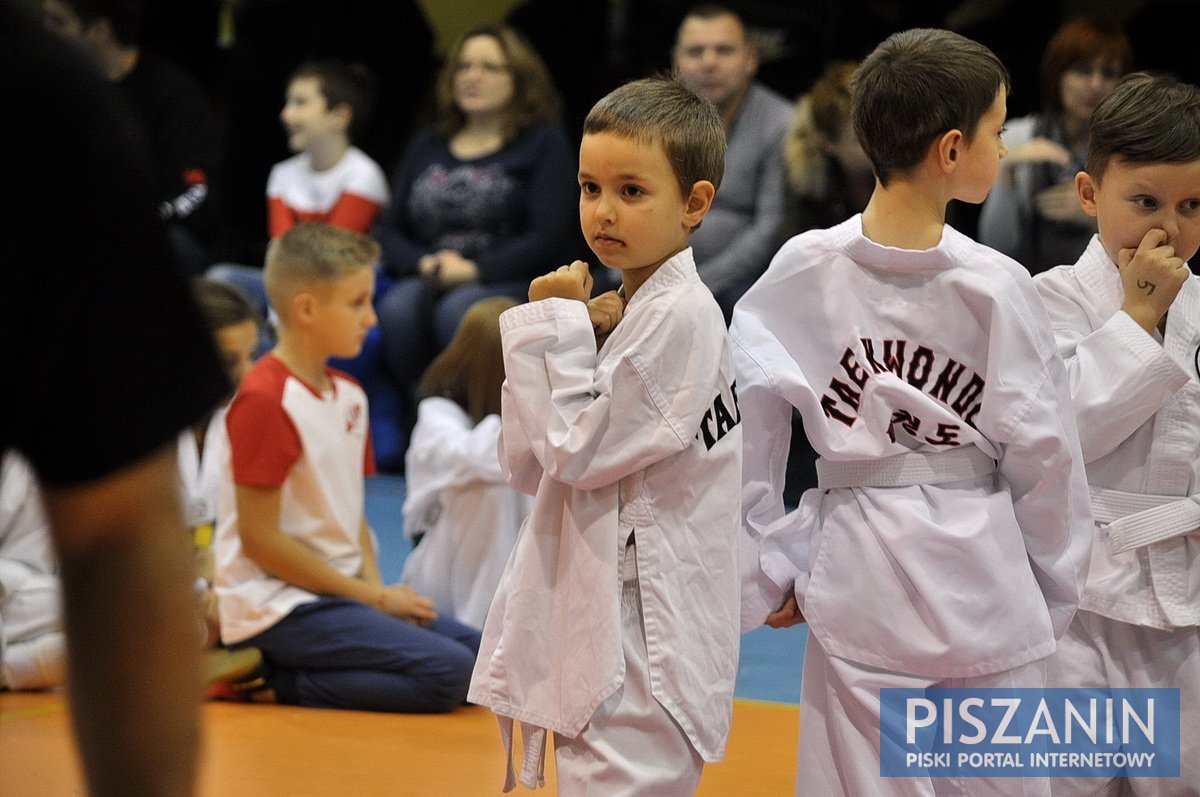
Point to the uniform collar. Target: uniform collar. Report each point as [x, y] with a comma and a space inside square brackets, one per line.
[675, 270]
[1099, 276]
[864, 251]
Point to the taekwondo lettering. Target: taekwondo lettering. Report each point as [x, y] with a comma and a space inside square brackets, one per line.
[941, 377]
[720, 415]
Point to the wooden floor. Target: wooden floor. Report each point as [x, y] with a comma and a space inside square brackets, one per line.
[270, 751]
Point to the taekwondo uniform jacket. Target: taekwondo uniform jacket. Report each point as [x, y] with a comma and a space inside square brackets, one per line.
[1138, 405]
[458, 501]
[887, 351]
[639, 438]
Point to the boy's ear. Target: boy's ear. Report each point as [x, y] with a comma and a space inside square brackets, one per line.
[698, 202]
[1085, 189]
[949, 149]
[303, 306]
[343, 113]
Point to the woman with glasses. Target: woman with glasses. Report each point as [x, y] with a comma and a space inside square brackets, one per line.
[1032, 214]
[482, 202]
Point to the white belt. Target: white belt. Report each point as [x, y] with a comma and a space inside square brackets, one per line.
[905, 470]
[1135, 519]
[533, 765]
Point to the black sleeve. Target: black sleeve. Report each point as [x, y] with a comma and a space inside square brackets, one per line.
[103, 355]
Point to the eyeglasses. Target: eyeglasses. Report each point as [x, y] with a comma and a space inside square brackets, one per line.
[1105, 71]
[487, 67]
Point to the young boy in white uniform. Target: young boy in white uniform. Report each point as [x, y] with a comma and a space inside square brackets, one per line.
[1127, 320]
[615, 624]
[947, 543]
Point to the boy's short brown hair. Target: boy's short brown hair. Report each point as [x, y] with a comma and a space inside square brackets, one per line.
[916, 86]
[311, 253]
[342, 83]
[1148, 118]
[661, 110]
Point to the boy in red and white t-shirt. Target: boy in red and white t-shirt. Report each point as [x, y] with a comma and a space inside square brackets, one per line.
[328, 179]
[297, 575]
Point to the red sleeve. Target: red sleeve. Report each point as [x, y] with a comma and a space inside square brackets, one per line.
[280, 217]
[369, 456]
[263, 441]
[353, 212]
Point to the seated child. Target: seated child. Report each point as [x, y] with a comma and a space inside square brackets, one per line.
[458, 508]
[200, 453]
[615, 623]
[297, 572]
[33, 652]
[948, 538]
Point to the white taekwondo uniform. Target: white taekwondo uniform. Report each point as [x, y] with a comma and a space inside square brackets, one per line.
[633, 452]
[458, 502]
[886, 352]
[1137, 399]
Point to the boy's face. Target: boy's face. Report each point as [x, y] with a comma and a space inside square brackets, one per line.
[307, 118]
[630, 207]
[979, 158]
[236, 345]
[483, 83]
[343, 312]
[1133, 198]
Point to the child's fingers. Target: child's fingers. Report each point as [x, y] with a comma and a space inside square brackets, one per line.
[1154, 238]
[579, 270]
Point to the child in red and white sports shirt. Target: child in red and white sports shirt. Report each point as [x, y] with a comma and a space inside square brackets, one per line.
[297, 574]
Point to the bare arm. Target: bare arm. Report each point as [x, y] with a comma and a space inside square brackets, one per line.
[292, 561]
[129, 612]
[370, 564]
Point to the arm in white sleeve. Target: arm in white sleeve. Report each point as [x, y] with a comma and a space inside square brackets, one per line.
[591, 433]
[1119, 375]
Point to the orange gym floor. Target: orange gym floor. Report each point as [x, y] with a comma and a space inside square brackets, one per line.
[281, 751]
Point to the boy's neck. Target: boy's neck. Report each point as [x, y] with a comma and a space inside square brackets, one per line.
[904, 215]
[301, 360]
[634, 278]
[324, 155]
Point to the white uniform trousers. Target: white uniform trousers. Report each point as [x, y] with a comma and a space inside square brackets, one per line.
[631, 745]
[1098, 651]
[839, 731]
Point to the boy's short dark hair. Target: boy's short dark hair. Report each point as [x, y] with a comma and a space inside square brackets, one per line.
[663, 110]
[311, 253]
[352, 85]
[916, 86]
[1148, 118]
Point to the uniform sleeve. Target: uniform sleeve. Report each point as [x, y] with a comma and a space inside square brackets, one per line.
[514, 449]
[590, 437]
[1119, 375]
[766, 439]
[263, 441]
[448, 447]
[1040, 458]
